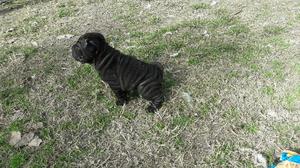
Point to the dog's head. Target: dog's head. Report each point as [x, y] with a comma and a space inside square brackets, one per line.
[88, 47]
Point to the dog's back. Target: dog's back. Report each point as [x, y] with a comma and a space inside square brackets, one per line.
[132, 72]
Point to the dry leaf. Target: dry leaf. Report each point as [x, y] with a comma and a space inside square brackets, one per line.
[35, 142]
[15, 138]
[25, 139]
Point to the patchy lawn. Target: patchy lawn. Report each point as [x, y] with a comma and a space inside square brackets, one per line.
[231, 83]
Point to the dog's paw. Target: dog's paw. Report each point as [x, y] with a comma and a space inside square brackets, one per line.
[121, 102]
[151, 109]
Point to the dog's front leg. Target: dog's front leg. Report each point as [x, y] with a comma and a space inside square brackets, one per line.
[121, 96]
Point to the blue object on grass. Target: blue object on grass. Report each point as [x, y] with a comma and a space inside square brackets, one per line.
[288, 159]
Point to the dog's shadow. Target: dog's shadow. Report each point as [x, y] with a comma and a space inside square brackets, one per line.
[173, 78]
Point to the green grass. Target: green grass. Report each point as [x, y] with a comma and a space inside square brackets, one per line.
[297, 68]
[239, 29]
[200, 6]
[221, 155]
[27, 51]
[231, 114]
[279, 42]
[169, 80]
[204, 109]
[14, 98]
[248, 163]
[131, 21]
[274, 30]
[159, 126]
[153, 44]
[129, 115]
[103, 120]
[291, 98]
[250, 127]
[207, 107]
[182, 120]
[270, 156]
[285, 131]
[255, 67]
[65, 11]
[17, 125]
[233, 74]
[250, 53]
[81, 73]
[154, 20]
[30, 25]
[277, 71]
[17, 160]
[179, 142]
[268, 90]
[20, 3]
[193, 61]
[298, 17]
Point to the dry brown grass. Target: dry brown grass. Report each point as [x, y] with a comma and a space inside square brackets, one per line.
[237, 60]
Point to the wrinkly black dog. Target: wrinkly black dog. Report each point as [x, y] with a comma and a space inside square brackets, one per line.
[123, 73]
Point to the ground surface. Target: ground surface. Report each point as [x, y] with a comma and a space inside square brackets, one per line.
[231, 81]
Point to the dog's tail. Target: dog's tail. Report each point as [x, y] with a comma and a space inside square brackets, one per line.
[159, 65]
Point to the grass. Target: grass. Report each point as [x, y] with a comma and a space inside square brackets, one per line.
[169, 80]
[268, 90]
[65, 10]
[200, 6]
[29, 52]
[270, 156]
[277, 71]
[179, 142]
[154, 20]
[231, 114]
[250, 127]
[14, 98]
[279, 42]
[238, 29]
[17, 160]
[298, 16]
[182, 120]
[26, 51]
[82, 73]
[159, 126]
[223, 58]
[20, 3]
[204, 110]
[274, 30]
[154, 44]
[292, 98]
[30, 25]
[129, 115]
[297, 68]
[286, 138]
[221, 155]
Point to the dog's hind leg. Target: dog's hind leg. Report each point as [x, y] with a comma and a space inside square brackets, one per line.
[153, 92]
[155, 104]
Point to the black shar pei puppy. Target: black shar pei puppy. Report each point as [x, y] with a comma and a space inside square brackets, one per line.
[123, 73]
